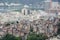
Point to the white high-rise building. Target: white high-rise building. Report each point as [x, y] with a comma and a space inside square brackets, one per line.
[26, 10]
[55, 4]
[46, 4]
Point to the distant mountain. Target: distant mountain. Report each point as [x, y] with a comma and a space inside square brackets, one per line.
[21, 1]
[56, 0]
[25, 1]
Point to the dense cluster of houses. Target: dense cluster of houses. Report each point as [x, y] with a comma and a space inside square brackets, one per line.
[23, 27]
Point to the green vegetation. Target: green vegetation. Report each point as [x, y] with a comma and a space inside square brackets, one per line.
[7, 24]
[33, 36]
[31, 29]
[10, 37]
[58, 24]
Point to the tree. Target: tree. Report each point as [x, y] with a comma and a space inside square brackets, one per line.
[34, 36]
[7, 24]
[31, 29]
[18, 38]
[10, 37]
[58, 24]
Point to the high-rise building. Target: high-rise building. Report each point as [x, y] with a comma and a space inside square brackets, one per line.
[26, 10]
[47, 4]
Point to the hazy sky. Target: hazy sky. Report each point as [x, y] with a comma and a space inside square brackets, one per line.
[23, 1]
[33, 2]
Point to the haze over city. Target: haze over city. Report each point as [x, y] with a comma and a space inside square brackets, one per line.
[29, 19]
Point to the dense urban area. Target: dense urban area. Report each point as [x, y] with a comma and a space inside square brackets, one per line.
[31, 24]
